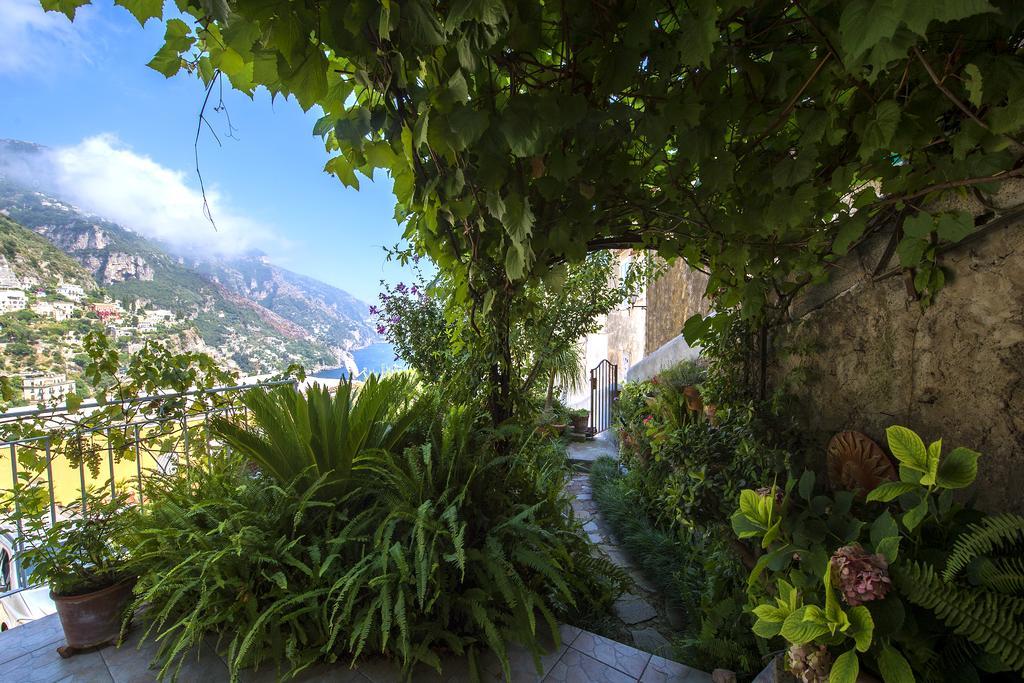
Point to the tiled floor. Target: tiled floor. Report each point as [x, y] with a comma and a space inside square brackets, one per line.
[590, 450]
[28, 654]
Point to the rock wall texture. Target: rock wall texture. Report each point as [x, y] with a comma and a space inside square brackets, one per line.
[862, 355]
[671, 299]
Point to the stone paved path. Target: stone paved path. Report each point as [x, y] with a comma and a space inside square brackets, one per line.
[585, 452]
[643, 619]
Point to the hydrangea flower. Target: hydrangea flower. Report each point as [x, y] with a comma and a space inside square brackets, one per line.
[861, 577]
[809, 663]
[766, 491]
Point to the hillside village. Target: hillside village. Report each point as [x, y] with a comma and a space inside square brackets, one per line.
[44, 316]
[50, 301]
[251, 315]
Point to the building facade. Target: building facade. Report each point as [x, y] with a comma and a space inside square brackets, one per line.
[644, 335]
[58, 310]
[12, 300]
[42, 387]
[72, 292]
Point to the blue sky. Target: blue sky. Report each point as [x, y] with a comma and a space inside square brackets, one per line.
[125, 136]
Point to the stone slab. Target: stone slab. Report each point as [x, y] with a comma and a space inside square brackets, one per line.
[632, 609]
[661, 670]
[650, 640]
[624, 658]
[21, 640]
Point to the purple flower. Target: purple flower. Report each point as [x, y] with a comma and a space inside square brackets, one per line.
[395, 319]
[415, 290]
[381, 329]
[415, 259]
[382, 297]
[401, 288]
[374, 310]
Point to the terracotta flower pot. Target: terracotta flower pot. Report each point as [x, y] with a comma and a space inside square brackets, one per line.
[93, 619]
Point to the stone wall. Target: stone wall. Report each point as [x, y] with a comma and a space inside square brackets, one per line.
[863, 355]
[671, 299]
[621, 340]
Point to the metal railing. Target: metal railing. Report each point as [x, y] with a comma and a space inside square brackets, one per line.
[145, 422]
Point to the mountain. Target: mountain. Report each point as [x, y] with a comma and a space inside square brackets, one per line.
[331, 315]
[27, 259]
[256, 315]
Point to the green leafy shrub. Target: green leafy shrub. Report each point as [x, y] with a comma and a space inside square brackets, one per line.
[687, 468]
[222, 551]
[683, 472]
[294, 435]
[908, 584]
[83, 551]
[448, 545]
[695, 569]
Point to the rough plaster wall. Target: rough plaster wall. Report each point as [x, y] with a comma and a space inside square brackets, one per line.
[954, 370]
[671, 299]
[626, 342]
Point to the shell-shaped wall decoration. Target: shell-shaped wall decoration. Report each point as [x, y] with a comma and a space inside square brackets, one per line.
[856, 463]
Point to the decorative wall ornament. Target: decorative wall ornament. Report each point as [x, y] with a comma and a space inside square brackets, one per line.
[856, 463]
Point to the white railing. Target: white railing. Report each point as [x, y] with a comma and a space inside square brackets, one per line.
[145, 421]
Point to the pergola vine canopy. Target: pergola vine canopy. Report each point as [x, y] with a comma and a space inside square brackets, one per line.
[759, 139]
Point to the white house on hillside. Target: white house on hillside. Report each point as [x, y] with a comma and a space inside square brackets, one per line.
[58, 310]
[41, 387]
[69, 291]
[12, 300]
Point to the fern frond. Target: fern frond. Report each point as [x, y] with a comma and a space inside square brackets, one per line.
[1003, 575]
[979, 539]
[978, 615]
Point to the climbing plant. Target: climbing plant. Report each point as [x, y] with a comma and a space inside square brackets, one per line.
[759, 139]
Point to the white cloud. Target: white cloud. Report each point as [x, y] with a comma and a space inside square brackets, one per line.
[30, 37]
[103, 176]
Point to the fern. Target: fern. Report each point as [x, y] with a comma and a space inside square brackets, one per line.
[1003, 575]
[994, 531]
[985, 618]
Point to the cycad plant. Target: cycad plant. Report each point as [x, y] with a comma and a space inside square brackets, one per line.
[301, 438]
[470, 555]
[564, 367]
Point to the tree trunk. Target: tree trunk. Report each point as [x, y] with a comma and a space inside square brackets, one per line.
[551, 391]
[501, 401]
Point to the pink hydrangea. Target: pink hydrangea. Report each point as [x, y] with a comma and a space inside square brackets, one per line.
[861, 577]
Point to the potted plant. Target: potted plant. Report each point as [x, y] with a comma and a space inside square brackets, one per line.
[580, 418]
[82, 557]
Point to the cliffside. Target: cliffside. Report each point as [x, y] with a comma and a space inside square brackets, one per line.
[261, 323]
